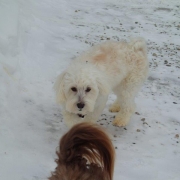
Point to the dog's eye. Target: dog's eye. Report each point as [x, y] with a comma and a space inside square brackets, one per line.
[74, 89]
[88, 89]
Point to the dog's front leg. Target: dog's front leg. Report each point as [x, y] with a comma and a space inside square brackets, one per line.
[100, 104]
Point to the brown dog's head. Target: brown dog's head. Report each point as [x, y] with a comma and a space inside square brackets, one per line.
[85, 153]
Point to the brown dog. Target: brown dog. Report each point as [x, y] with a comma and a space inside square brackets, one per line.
[85, 153]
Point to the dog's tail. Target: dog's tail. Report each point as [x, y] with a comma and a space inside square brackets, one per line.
[138, 44]
[86, 153]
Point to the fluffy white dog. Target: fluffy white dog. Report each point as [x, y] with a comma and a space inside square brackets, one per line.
[84, 87]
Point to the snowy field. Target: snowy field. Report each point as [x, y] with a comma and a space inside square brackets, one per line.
[38, 39]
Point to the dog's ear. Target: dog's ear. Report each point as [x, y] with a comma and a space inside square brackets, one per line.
[59, 88]
[103, 86]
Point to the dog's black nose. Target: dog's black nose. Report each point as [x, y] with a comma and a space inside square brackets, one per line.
[80, 105]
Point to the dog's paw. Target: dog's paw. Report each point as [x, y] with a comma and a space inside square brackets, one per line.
[120, 122]
[114, 108]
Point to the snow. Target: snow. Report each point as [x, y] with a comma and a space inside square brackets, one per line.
[38, 39]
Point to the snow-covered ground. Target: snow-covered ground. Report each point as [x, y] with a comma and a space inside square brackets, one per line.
[38, 39]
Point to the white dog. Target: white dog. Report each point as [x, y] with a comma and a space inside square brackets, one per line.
[84, 87]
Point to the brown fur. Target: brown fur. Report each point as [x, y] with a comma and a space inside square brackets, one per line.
[100, 57]
[85, 153]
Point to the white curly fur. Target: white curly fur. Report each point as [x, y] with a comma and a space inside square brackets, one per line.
[120, 67]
